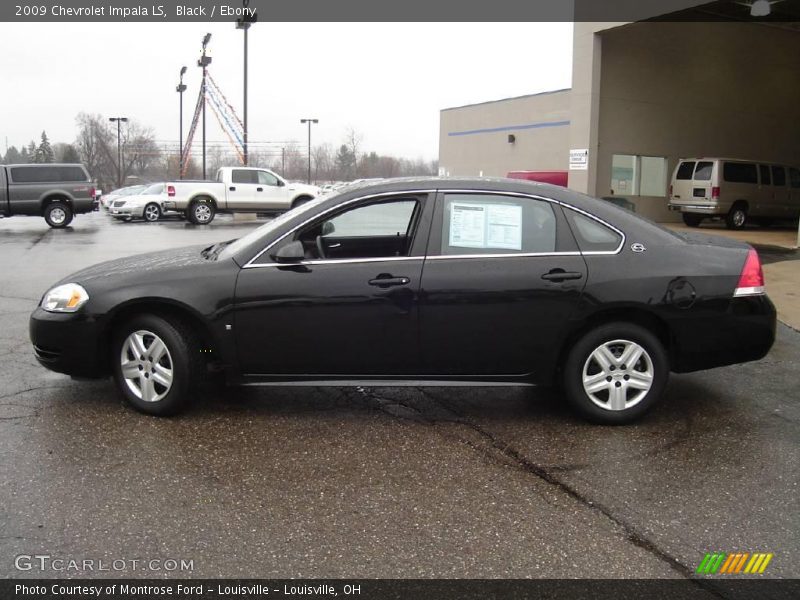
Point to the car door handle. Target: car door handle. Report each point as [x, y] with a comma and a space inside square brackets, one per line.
[259, 189]
[232, 188]
[558, 275]
[387, 281]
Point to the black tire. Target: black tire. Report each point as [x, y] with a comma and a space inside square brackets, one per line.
[737, 216]
[151, 212]
[58, 214]
[580, 357]
[691, 219]
[182, 357]
[201, 212]
[300, 201]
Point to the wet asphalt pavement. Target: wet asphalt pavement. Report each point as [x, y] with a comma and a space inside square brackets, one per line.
[379, 482]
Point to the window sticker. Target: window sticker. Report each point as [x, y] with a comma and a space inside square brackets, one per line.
[485, 226]
[467, 225]
[505, 226]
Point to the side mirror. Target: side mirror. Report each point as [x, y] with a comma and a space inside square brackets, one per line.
[328, 228]
[281, 183]
[293, 252]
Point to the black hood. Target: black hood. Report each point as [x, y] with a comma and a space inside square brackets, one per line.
[175, 258]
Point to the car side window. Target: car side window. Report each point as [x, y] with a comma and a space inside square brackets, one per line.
[265, 178]
[778, 176]
[764, 173]
[592, 235]
[496, 224]
[794, 177]
[381, 229]
[243, 176]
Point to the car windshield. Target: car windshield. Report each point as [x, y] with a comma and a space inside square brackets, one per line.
[246, 240]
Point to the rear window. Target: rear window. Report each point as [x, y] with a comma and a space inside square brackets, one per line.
[739, 172]
[244, 176]
[47, 174]
[592, 236]
[685, 170]
[778, 176]
[703, 171]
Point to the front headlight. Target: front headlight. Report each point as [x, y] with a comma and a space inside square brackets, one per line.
[65, 298]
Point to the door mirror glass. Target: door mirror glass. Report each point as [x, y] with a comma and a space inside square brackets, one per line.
[328, 228]
[290, 253]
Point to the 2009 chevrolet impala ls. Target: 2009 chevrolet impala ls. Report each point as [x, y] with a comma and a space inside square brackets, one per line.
[431, 281]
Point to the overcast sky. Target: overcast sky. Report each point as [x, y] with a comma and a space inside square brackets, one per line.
[386, 80]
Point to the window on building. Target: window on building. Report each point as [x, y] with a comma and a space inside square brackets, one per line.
[639, 175]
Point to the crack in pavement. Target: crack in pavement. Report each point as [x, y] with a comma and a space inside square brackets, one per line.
[515, 458]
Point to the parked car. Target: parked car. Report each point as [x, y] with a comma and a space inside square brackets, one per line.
[54, 191]
[105, 201]
[736, 190]
[147, 204]
[236, 189]
[422, 281]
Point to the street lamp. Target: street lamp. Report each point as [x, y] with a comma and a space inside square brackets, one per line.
[204, 61]
[309, 121]
[180, 89]
[119, 121]
[244, 24]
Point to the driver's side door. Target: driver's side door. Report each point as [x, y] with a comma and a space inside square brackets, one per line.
[350, 307]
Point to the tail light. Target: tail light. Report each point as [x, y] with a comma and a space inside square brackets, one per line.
[751, 281]
[170, 191]
[92, 193]
[715, 193]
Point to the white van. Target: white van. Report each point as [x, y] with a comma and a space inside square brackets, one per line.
[737, 190]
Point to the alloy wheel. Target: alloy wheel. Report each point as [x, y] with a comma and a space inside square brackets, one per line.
[151, 213]
[58, 216]
[618, 375]
[202, 213]
[147, 366]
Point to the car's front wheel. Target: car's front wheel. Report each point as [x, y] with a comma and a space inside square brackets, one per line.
[156, 364]
[152, 212]
[615, 373]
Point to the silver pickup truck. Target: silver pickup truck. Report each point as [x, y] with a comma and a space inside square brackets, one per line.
[56, 192]
[236, 189]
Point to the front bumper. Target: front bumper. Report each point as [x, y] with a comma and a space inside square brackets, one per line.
[69, 343]
[126, 211]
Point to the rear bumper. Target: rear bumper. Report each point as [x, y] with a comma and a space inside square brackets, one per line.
[67, 343]
[744, 332]
[705, 209]
[83, 205]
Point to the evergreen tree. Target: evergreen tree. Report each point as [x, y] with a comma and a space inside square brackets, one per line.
[13, 156]
[44, 153]
[30, 152]
[69, 155]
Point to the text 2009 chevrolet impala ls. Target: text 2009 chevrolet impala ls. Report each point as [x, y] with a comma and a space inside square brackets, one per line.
[420, 280]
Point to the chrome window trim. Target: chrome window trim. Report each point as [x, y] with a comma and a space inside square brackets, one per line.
[250, 264]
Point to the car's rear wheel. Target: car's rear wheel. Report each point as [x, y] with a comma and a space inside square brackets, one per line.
[692, 220]
[156, 364]
[201, 212]
[615, 373]
[58, 214]
[737, 216]
[152, 212]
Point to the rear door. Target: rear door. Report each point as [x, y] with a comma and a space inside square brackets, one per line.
[682, 182]
[502, 276]
[241, 190]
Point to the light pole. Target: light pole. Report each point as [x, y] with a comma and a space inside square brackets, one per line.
[119, 121]
[244, 24]
[180, 89]
[204, 61]
[309, 121]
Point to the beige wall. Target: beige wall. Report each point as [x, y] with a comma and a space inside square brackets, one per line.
[489, 153]
[697, 89]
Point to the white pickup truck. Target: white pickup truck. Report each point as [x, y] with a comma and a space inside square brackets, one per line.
[236, 189]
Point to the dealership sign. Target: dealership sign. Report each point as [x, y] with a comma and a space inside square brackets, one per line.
[579, 159]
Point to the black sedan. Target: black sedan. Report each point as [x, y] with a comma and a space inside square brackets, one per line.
[430, 281]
